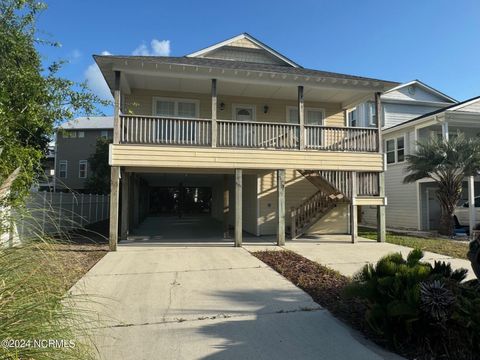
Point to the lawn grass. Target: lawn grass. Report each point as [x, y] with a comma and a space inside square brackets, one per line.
[447, 247]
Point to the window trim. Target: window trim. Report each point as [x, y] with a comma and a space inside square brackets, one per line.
[175, 105]
[395, 149]
[80, 163]
[292, 107]
[60, 162]
[348, 117]
[371, 106]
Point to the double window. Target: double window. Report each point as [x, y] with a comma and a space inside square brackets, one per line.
[107, 134]
[313, 116]
[395, 150]
[82, 169]
[176, 130]
[175, 107]
[62, 169]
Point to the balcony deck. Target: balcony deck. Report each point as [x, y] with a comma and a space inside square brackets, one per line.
[244, 134]
[149, 141]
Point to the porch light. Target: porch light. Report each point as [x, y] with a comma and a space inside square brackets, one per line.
[222, 106]
[265, 109]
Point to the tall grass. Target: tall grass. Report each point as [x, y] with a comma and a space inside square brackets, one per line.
[35, 305]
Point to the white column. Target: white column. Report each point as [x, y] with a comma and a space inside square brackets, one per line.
[471, 201]
[445, 131]
[238, 207]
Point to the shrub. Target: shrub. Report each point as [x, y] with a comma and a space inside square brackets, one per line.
[412, 304]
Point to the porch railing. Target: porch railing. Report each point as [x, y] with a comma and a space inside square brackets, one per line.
[243, 134]
[252, 134]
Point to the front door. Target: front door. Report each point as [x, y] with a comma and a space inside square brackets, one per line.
[244, 132]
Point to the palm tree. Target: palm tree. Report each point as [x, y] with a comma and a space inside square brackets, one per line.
[447, 163]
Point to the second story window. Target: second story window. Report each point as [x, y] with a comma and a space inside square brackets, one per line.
[81, 134]
[352, 118]
[395, 150]
[62, 169]
[175, 107]
[372, 114]
[69, 134]
[82, 169]
[313, 116]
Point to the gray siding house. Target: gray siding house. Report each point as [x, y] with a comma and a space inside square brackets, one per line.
[402, 103]
[415, 205]
[75, 143]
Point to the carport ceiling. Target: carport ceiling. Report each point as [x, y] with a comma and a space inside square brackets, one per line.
[159, 179]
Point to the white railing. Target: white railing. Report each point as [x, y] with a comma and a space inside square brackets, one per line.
[243, 134]
[341, 138]
[252, 134]
[161, 130]
[367, 182]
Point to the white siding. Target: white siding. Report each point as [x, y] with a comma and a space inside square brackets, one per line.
[401, 210]
[399, 113]
[419, 94]
[473, 107]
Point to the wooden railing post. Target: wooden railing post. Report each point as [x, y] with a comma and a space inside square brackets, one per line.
[301, 117]
[214, 112]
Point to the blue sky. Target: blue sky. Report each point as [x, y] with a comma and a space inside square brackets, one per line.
[436, 41]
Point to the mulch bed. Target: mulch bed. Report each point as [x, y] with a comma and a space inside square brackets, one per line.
[324, 285]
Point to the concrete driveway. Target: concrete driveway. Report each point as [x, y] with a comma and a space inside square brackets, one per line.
[209, 302]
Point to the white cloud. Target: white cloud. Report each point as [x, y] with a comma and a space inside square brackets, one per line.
[96, 82]
[157, 48]
[161, 47]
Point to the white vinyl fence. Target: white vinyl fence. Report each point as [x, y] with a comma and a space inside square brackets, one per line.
[54, 212]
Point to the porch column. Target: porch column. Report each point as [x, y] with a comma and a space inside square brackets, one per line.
[381, 223]
[353, 208]
[214, 112]
[226, 207]
[445, 135]
[301, 117]
[281, 207]
[238, 207]
[125, 206]
[381, 220]
[471, 202]
[115, 170]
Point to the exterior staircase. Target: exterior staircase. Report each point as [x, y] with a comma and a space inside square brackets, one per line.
[333, 187]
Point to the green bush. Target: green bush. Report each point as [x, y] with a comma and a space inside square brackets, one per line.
[414, 305]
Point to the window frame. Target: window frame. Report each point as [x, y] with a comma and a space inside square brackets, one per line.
[60, 163]
[81, 134]
[108, 136]
[371, 109]
[306, 109]
[80, 163]
[175, 106]
[350, 112]
[396, 149]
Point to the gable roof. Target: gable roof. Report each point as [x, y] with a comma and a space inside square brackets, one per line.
[89, 123]
[452, 107]
[425, 87]
[249, 38]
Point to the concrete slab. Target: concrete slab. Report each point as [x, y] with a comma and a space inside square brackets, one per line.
[338, 253]
[209, 302]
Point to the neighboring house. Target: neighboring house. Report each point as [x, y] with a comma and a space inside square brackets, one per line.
[402, 103]
[414, 205]
[46, 180]
[267, 136]
[75, 143]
